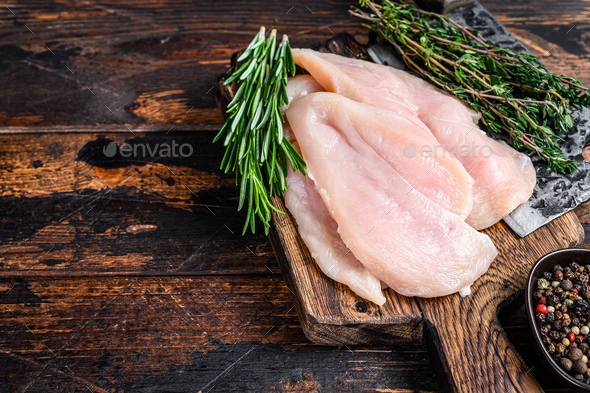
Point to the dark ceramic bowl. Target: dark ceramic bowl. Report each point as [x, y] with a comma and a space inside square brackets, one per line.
[546, 263]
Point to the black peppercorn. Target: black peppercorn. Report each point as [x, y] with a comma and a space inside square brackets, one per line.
[558, 291]
[580, 367]
[556, 356]
[562, 297]
[575, 354]
[549, 291]
[552, 300]
[558, 314]
[575, 321]
[566, 285]
[574, 266]
[566, 364]
[561, 336]
[581, 306]
[557, 325]
[563, 325]
[545, 340]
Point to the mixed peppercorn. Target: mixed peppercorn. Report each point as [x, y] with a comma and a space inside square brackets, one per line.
[562, 313]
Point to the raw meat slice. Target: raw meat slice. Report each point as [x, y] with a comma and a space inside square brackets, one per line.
[355, 79]
[503, 180]
[404, 145]
[400, 142]
[412, 244]
[298, 86]
[319, 231]
[316, 226]
[301, 85]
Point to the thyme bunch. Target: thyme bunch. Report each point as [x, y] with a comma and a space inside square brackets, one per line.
[512, 91]
[256, 148]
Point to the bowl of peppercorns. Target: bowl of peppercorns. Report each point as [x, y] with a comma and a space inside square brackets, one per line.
[558, 310]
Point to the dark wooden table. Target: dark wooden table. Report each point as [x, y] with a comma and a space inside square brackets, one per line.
[132, 276]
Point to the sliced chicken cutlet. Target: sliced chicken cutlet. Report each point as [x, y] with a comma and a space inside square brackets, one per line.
[504, 178]
[409, 242]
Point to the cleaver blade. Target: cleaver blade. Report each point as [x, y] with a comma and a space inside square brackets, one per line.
[554, 194]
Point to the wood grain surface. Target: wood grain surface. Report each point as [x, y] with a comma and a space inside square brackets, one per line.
[109, 304]
[442, 6]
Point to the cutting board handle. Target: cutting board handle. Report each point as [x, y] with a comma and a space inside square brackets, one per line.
[476, 356]
[464, 336]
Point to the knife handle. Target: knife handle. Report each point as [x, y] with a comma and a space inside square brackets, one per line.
[442, 6]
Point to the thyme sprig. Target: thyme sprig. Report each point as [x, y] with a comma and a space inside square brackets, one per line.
[256, 148]
[512, 91]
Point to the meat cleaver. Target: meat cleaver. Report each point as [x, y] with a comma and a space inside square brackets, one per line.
[555, 194]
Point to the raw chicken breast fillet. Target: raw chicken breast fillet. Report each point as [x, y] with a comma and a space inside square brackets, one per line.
[316, 226]
[504, 178]
[319, 231]
[302, 85]
[440, 178]
[402, 140]
[412, 244]
[298, 86]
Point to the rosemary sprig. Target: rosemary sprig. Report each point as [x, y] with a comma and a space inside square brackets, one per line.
[512, 91]
[256, 148]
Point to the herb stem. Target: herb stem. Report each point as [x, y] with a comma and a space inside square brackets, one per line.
[513, 91]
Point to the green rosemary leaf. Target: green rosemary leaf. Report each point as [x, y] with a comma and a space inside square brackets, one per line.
[253, 133]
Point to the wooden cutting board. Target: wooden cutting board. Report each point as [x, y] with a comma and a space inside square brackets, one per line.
[463, 335]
